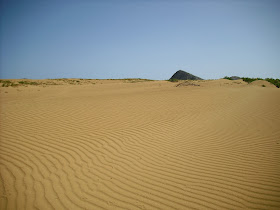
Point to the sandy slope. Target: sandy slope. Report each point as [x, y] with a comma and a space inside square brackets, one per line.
[142, 145]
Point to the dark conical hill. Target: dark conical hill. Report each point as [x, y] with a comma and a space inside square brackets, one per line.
[182, 75]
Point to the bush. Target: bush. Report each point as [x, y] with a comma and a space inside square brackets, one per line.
[23, 82]
[249, 80]
[28, 83]
[275, 82]
[6, 83]
[226, 77]
[34, 83]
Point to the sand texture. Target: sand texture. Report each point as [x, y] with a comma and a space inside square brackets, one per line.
[128, 144]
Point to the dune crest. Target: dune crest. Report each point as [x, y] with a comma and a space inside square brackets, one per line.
[262, 83]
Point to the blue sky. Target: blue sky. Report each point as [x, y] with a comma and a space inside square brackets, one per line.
[139, 38]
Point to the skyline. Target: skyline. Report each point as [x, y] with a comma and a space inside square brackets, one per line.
[139, 39]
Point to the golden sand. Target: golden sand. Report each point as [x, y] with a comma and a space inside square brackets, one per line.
[130, 144]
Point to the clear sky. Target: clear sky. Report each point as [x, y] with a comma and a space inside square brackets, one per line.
[139, 38]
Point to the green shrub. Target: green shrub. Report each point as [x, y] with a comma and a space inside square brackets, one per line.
[28, 83]
[23, 82]
[226, 77]
[14, 85]
[275, 82]
[34, 83]
[6, 83]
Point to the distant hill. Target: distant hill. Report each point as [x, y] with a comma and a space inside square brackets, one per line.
[182, 75]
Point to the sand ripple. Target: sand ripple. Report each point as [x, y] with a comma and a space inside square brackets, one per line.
[140, 146]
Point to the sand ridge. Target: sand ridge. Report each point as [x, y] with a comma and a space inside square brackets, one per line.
[140, 145]
[262, 83]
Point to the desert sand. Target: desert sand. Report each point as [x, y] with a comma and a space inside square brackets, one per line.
[129, 144]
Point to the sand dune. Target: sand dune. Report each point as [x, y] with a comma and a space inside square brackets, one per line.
[262, 83]
[140, 145]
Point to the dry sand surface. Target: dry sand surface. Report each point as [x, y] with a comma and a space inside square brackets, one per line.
[129, 144]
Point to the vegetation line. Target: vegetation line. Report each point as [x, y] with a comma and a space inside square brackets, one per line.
[275, 82]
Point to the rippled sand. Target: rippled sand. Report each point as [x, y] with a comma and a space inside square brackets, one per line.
[129, 144]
